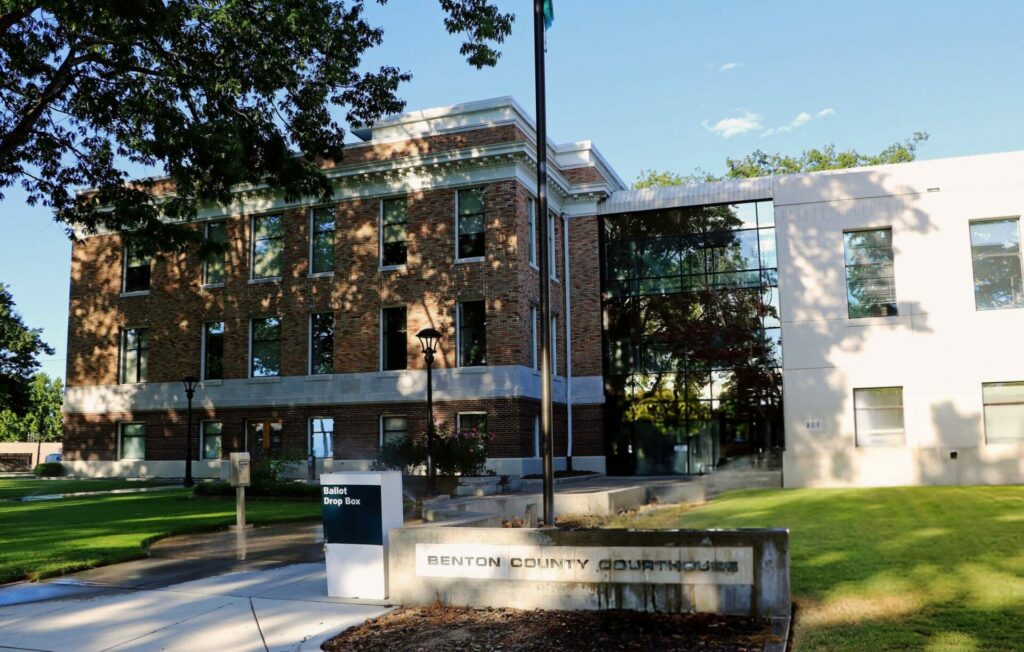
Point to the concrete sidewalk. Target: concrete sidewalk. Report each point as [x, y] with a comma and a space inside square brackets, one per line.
[263, 589]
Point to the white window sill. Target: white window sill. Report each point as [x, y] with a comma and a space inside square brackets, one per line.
[391, 373]
[213, 382]
[476, 369]
[321, 275]
[137, 293]
[475, 259]
[264, 379]
[318, 377]
[260, 281]
[131, 459]
[125, 382]
[534, 266]
[212, 286]
[392, 268]
[853, 322]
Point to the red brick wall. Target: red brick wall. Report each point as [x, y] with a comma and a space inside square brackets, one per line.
[585, 278]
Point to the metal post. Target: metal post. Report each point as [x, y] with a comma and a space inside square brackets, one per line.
[240, 508]
[190, 392]
[546, 411]
[431, 473]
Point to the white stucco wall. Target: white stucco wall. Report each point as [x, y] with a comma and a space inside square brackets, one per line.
[940, 349]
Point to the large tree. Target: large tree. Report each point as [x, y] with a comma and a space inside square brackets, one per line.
[762, 164]
[20, 347]
[42, 419]
[215, 93]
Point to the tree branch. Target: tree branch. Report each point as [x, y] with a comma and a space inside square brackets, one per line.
[12, 18]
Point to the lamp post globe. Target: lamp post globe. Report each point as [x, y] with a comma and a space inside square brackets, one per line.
[190, 383]
[429, 338]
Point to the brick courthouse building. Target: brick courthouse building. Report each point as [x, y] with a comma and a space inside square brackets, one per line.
[304, 334]
[674, 302]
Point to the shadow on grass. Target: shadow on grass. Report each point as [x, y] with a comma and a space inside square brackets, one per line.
[921, 568]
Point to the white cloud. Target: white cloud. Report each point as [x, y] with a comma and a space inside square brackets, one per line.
[800, 120]
[729, 127]
[726, 67]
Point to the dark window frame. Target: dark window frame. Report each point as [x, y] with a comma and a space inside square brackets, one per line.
[464, 359]
[317, 232]
[253, 342]
[218, 259]
[384, 259]
[216, 375]
[321, 347]
[279, 247]
[394, 344]
[141, 371]
[476, 240]
[137, 278]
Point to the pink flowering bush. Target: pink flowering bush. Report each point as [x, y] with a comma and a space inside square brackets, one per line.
[460, 453]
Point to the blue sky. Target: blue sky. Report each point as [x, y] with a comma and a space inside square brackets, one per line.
[676, 85]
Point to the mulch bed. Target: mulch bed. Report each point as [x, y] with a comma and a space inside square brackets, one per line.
[442, 629]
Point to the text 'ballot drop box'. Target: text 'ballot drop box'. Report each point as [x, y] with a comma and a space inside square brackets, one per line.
[358, 510]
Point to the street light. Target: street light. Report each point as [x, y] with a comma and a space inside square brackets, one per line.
[190, 391]
[429, 338]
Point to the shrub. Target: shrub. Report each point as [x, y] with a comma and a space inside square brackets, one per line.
[455, 453]
[265, 490]
[49, 470]
[403, 454]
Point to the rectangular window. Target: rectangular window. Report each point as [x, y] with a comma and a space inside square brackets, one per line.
[321, 437]
[267, 246]
[265, 347]
[212, 433]
[870, 285]
[321, 240]
[470, 224]
[214, 270]
[393, 338]
[1004, 412]
[136, 268]
[472, 421]
[472, 334]
[134, 355]
[532, 219]
[213, 350]
[133, 441]
[534, 339]
[995, 252]
[878, 414]
[393, 429]
[394, 232]
[321, 347]
[552, 258]
[264, 438]
[554, 346]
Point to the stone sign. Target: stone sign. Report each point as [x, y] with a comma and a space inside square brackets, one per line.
[743, 572]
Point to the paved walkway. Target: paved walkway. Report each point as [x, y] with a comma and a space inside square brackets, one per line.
[262, 590]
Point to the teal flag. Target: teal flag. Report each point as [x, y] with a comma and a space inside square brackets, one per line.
[549, 13]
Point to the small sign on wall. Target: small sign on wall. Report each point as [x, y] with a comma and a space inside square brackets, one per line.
[813, 425]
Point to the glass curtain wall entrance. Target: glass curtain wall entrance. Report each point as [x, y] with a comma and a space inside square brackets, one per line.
[692, 347]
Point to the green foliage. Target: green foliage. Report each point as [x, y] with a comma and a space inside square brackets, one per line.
[49, 470]
[267, 470]
[276, 489]
[763, 164]
[455, 453]
[20, 346]
[217, 94]
[42, 418]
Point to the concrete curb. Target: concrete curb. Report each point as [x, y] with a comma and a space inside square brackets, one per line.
[79, 494]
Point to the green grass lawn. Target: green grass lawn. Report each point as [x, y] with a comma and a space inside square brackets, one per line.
[20, 487]
[42, 539]
[917, 568]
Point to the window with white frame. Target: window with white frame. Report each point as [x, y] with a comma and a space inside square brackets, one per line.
[470, 224]
[468, 421]
[996, 257]
[212, 433]
[393, 428]
[137, 268]
[134, 355]
[133, 441]
[213, 350]
[533, 226]
[878, 415]
[534, 339]
[870, 282]
[265, 347]
[321, 437]
[394, 343]
[1004, 412]
[267, 246]
[214, 267]
[321, 240]
[472, 334]
[554, 345]
[321, 343]
[394, 232]
[552, 258]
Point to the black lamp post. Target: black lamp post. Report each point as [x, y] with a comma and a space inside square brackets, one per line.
[429, 338]
[190, 391]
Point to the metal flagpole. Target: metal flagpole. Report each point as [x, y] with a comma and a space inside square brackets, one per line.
[545, 290]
